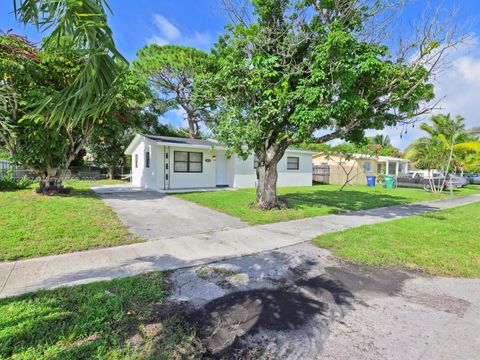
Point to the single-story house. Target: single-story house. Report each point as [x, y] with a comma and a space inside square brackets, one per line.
[363, 165]
[163, 163]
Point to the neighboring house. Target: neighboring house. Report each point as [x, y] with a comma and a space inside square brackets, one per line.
[164, 163]
[363, 165]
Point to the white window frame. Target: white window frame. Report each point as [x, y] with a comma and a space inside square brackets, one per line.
[296, 162]
[188, 162]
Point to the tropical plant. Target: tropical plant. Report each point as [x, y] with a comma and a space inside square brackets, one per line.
[19, 63]
[305, 71]
[89, 95]
[381, 140]
[171, 71]
[448, 145]
[10, 182]
[29, 76]
[136, 110]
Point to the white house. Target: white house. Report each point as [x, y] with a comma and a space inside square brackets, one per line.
[163, 163]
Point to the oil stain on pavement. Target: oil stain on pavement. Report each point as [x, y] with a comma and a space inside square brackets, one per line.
[277, 304]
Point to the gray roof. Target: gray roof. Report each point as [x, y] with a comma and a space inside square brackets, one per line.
[181, 141]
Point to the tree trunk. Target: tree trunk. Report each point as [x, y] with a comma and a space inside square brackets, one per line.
[192, 126]
[111, 172]
[267, 186]
[267, 174]
[49, 182]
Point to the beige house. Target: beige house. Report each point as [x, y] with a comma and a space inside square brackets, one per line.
[329, 170]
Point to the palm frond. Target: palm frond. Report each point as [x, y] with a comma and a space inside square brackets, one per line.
[468, 146]
[85, 22]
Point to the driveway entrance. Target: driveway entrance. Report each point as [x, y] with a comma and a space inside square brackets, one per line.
[154, 216]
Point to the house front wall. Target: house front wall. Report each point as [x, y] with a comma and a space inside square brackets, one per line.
[182, 180]
[143, 176]
[245, 175]
[238, 173]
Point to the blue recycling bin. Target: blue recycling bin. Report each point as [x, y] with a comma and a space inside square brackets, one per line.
[371, 180]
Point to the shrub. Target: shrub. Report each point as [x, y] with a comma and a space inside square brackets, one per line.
[9, 182]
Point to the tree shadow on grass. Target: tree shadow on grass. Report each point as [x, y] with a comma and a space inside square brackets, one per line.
[343, 200]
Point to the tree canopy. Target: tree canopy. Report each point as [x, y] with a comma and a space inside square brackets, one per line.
[85, 24]
[171, 70]
[136, 110]
[300, 67]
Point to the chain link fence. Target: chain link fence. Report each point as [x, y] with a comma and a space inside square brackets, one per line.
[75, 172]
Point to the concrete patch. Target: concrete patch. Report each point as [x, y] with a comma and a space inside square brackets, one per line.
[301, 303]
[282, 308]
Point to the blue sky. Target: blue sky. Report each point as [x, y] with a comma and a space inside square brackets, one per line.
[198, 23]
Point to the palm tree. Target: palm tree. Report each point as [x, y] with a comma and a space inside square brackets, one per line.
[382, 140]
[85, 22]
[449, 140]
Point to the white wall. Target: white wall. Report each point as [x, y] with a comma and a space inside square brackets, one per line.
[137, 171]
[245, 174]
[240, 173]
[300, 177]
[151, 177]
[193, 180]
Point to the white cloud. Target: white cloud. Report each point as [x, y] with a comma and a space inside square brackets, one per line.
[167, 33]
[469, 67]
[458, 89]
[202, 38]
[167, 29]
[155, 39]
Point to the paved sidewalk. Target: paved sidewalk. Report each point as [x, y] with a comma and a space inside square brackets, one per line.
[170, 253]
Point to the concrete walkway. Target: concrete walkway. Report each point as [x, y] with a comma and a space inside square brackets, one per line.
[171, 253]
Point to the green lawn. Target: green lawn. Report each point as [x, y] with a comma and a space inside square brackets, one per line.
[312, 201]
[94, 321]
[34, 225]
[445, 242]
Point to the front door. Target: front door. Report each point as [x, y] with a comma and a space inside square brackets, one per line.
[221, 170]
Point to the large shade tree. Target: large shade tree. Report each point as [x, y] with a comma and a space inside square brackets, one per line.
[171, 71]
[308, 71]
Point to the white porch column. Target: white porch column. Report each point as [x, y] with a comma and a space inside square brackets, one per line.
[406, 167]
[386, 167]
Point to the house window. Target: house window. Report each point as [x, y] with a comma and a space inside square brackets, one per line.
[136, 160]
[185, 161]
[293, 163]
[367, 166]
[255, 161]
[379, 168]
[147, 159]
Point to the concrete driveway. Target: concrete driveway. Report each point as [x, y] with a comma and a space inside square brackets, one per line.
[155, 216]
